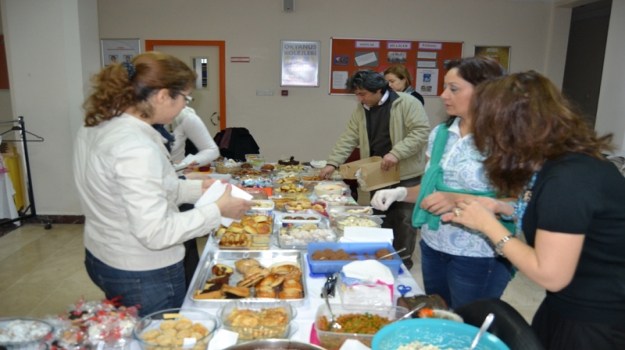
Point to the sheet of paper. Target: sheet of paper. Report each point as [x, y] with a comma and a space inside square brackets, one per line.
[339, 78]
[215, 191]
[367, 234]
[427, 81]
[366, 59]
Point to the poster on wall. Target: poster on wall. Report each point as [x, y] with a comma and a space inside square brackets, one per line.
[500, 54]
[427, 81]
[424, 61]
[119, 50]
[300, 63]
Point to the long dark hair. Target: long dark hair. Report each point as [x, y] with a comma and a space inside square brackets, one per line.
[475, 70]
[522, 120]
[114, 90]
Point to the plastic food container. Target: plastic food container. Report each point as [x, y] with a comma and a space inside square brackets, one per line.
[356, 220]
[330, 188]
[334, 199]
[300, 219]
[335, 211]
[334, 340]
[256, 160]
[221, 168]
[259, 331]
[149, 330]
[263, 207]
[360, 249]
[22, 333]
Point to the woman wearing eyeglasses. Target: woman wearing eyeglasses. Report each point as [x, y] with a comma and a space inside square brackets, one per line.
[130, 192]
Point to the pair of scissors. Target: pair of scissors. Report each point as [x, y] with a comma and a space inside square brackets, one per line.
[403, 290]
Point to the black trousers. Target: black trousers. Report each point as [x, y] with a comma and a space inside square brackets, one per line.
[399, 219]
[191, 254]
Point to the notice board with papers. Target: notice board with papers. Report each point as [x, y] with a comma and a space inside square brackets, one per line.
[424, 60]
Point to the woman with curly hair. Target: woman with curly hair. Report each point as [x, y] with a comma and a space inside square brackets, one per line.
[129, 190]
[571, 208]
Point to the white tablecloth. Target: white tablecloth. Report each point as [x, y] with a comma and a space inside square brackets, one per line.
[306, 313]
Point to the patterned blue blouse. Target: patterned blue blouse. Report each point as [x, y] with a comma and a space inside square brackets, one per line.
[462, 169]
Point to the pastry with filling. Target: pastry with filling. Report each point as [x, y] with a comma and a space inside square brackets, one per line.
[244, 264]
[235, 292]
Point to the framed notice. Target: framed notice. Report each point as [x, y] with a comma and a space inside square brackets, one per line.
[500, 54]
[119, 50]
[425, 61]
[300, 63]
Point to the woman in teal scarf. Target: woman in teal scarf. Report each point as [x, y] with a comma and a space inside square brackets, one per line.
[458, 263]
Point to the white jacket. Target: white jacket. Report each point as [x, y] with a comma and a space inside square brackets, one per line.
[188, 125]
[130, 195]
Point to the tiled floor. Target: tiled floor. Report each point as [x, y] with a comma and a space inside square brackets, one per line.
[42, 273]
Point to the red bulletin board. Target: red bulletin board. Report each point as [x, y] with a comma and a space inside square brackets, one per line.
[423, 59]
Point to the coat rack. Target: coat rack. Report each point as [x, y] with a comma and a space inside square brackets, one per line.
[31, 197]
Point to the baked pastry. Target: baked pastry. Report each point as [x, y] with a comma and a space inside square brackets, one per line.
[290, 294]
[246, 166]
[263, 228]
[268, 167]
[289, 271]
[244, 264]
[235, 292]
[218, 280]
[222, 270]
[210, 291]
[270, 281]
[221, 231]
[251, 279]
[250, 229]
[289, 161]
[266, 292]
[235, 240]
[235, 227]
[291, 284]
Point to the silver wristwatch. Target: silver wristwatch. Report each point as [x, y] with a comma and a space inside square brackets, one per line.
[499, 245]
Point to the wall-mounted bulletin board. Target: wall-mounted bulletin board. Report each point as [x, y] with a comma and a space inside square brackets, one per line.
[424, 60]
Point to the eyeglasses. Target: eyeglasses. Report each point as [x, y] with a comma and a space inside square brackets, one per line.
[187, 98]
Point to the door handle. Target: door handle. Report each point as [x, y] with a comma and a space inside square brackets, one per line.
[211, 118]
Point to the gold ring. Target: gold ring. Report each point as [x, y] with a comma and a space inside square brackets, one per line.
[457, 212]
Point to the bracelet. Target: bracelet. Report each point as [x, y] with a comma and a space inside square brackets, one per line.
[515, 213]
[499, 245]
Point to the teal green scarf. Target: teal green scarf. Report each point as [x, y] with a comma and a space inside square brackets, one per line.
[433, 180]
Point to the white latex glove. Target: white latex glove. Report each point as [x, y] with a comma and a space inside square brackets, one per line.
[384, 198]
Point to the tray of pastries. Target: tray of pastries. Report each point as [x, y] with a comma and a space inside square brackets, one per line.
[270, 274]
[252, 232]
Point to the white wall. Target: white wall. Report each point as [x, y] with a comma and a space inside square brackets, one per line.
[611, 109]
[308, 122]
[53, 47]
[51, 52]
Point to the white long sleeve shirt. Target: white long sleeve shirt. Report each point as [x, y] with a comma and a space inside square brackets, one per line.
[130, 195]
[188, 125]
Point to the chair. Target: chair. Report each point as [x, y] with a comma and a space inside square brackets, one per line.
[509, 325]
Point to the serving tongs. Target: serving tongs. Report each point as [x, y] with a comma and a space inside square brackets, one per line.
[330, 285]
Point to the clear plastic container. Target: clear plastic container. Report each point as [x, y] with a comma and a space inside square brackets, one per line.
[23, 333]
[333, 340]
[257, 329]
[256, 160]
[202, 325]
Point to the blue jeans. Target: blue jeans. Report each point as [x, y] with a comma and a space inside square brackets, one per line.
[152, 290]
[461, 279]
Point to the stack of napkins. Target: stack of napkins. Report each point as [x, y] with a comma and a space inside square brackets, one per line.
[215, 191]
[367, 234]
[366, 282]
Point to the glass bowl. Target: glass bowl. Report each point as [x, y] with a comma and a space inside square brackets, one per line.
[254, 328]
[171, 329]
[22, 333]
[334, 340]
